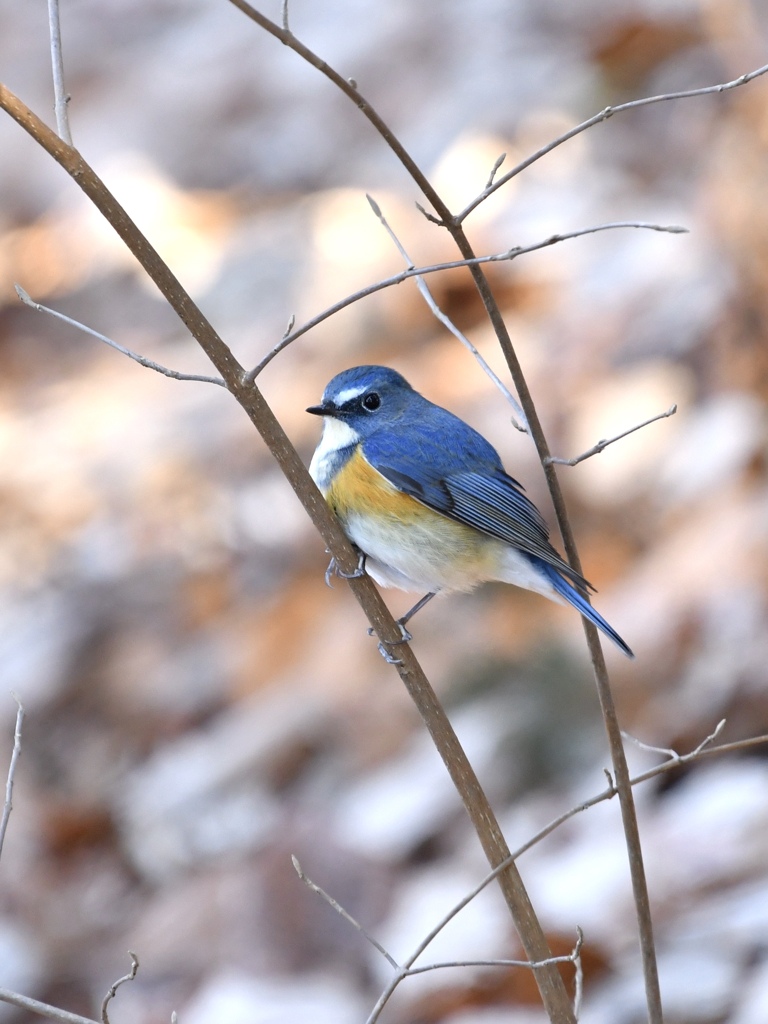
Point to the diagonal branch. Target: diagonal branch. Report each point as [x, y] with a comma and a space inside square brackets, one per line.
[343, 913]
[674, 760]
[251, 399]
[42, 1009]
[519, 418]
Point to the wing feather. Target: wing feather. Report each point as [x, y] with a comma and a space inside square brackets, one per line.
[466, 481]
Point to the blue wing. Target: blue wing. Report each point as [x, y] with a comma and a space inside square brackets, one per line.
[451, 468]
[573, 597]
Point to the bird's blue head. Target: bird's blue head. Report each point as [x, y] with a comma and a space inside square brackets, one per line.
[367, 398]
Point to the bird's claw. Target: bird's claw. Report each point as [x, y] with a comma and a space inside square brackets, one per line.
[389, 658]
[405, 637]
[334, 570]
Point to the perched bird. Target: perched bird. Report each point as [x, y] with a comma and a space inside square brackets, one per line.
[426, 500]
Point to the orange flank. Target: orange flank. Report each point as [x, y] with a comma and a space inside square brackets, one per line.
[401, 532]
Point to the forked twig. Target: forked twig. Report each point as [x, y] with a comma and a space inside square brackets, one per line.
[703, 749]
[670, 752]
[602, 445]
[604, 114]
[251, 399]
[291, 335]
[518, 419]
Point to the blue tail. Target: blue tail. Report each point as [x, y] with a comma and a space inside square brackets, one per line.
[572, 596]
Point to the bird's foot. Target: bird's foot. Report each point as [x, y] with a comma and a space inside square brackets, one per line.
[405, 637]
[334, 570]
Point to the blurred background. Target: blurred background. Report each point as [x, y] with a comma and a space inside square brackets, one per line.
[199, 705]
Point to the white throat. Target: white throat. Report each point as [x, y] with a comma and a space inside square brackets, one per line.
[338, 437]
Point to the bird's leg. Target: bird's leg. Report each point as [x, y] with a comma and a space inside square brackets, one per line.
[334, 570]
[405, 636]
[416, 608]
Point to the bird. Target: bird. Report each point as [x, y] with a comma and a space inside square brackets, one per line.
[426, 501]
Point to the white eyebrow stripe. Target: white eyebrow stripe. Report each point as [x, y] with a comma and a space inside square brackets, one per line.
[348, 394]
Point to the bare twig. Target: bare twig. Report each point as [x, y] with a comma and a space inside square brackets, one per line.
[519, 416]
[340, 910]
[602, 445]
[675, 760]
[574, 957]
[114, 987]
[292, 335]
[42, 1009]
[567, 958]
[703, 750]
[61, 99]
[604, 114]
[142, 360]
[8, 805]
[578, 972]
[499, 161]
[606, 794]
[670, 752]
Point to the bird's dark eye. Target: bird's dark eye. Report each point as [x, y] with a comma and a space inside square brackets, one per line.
[371, 401]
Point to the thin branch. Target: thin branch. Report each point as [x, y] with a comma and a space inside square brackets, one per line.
[567, 959]
[518, 419]
[142, 360]
[61, 98]
[703, 750]
[602, 445]
[578, 974]
[120, 981]
[42, 1009]
[429, 216]
[604, 114]
[670, 752]
[8, 805]
[345, 914]
[574, 957]
[292, 335]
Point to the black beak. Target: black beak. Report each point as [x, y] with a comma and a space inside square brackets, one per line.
[320, 410]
